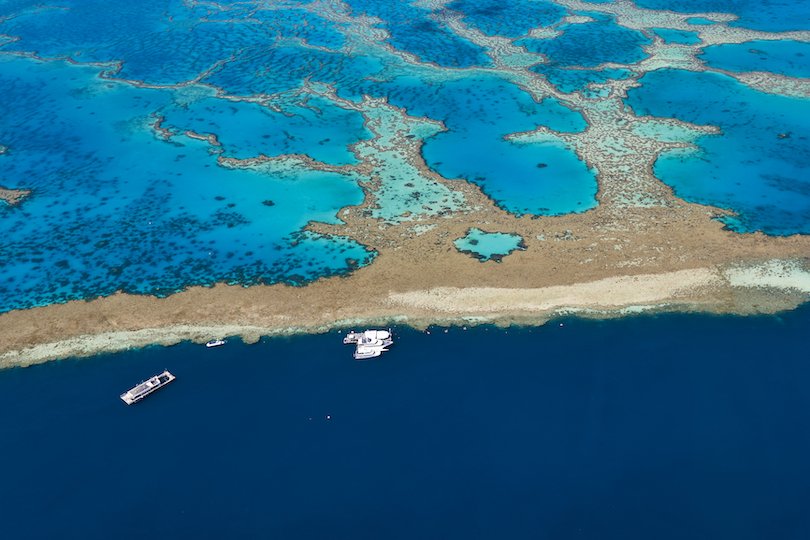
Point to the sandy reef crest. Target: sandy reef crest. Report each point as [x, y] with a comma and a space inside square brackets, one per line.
[13, 197]
[124, 322]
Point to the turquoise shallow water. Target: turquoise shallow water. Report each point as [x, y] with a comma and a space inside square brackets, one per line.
[591, 44]
[486, 246]
[511, 18]
[300, 125]
[758, 166]
[684, 37]
[412, 29]
[587, 46]
[700, 21]
[577, 80]
[137, 213]
[478, 112]
[521, 178]
[791, 58]
[767, 15]
[117, 208]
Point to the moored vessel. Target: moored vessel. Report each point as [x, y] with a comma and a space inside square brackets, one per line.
[215, 343]
[369, 344]
[140, 391]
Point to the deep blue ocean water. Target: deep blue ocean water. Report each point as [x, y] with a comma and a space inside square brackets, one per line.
[666, 427]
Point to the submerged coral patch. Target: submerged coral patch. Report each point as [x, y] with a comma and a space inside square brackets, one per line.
[118, 208]
[307, 125]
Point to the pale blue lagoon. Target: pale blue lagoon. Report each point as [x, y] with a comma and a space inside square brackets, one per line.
[487, 246]
[700, 21]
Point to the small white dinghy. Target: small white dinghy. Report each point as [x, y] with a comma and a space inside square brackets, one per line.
[215, 343]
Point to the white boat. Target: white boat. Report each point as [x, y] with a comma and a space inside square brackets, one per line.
[370, 344]
[359, 337]
[366, 353]
[215, 343]
[140, 391]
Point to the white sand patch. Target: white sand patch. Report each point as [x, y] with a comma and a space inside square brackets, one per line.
[776, 273]
[615, 292]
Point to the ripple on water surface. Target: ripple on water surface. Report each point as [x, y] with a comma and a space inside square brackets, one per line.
[757, 166]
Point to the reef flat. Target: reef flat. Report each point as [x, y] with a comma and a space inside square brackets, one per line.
[594, 264]
[13, 196]
[313, 165]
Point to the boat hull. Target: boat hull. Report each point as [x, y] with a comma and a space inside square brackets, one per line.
[147, 387]
[370, 343]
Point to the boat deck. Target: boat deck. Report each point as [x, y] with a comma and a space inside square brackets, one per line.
[140, 391]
